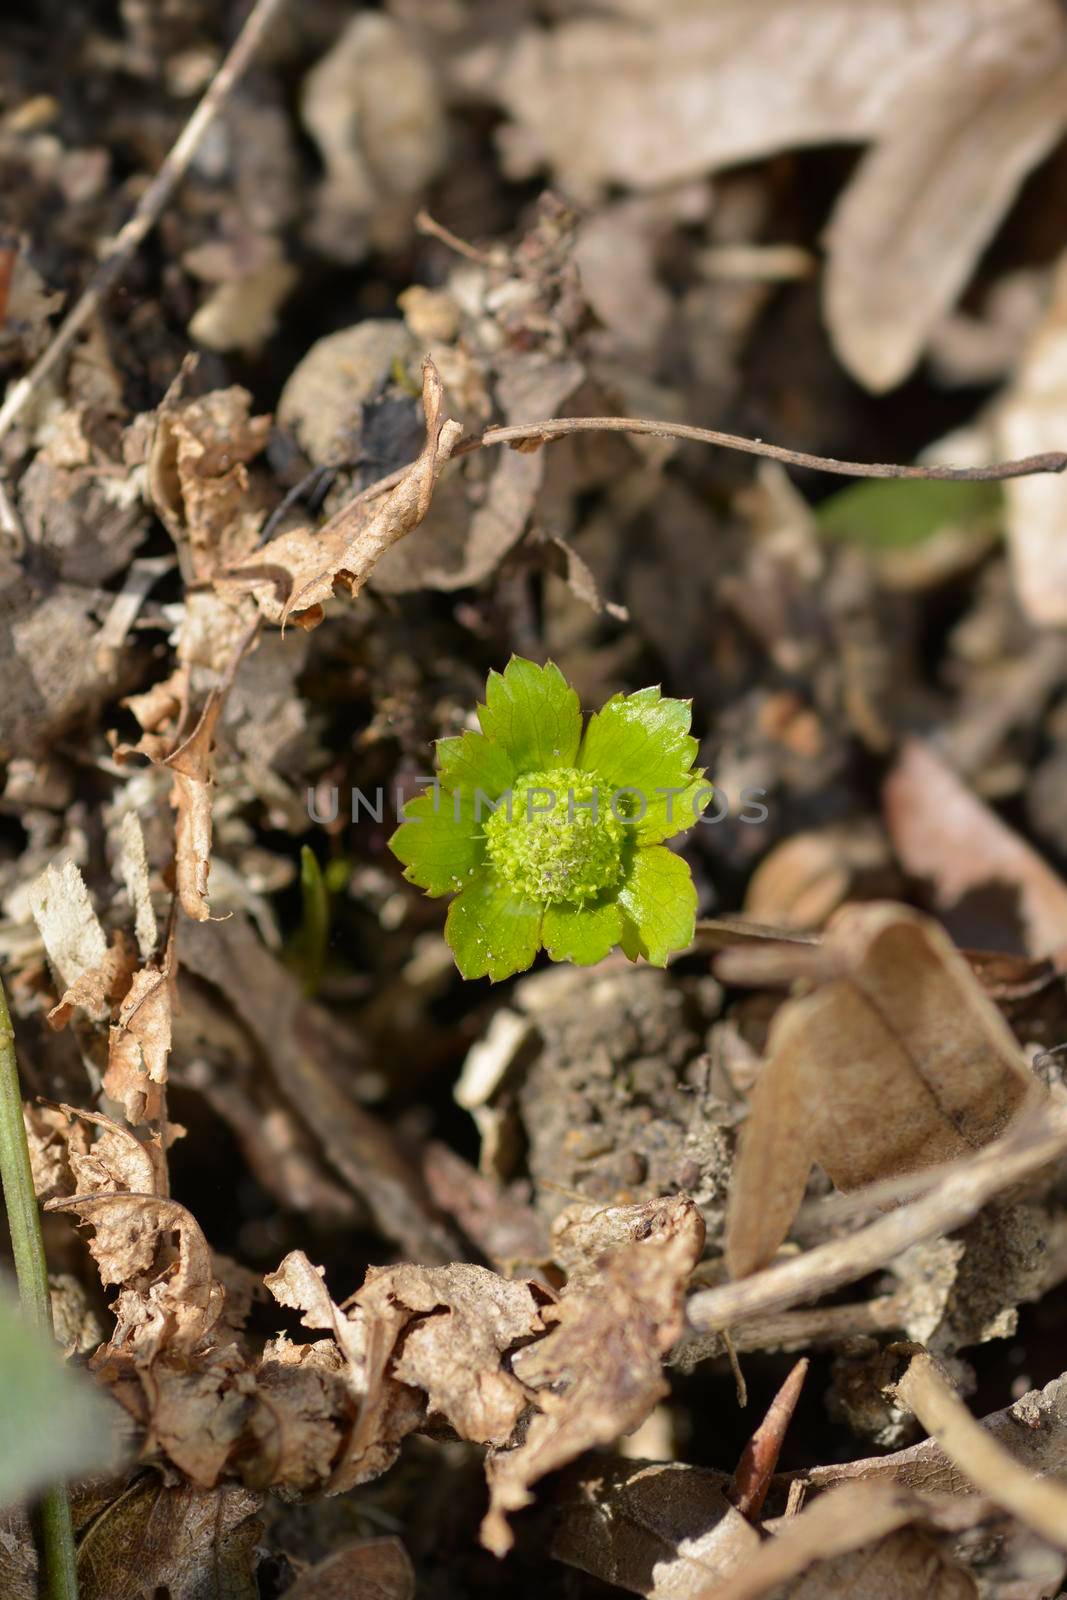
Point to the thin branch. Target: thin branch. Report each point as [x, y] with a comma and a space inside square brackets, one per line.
[149, 207]
[962, 1191]
[559, 427]
[31, 1272]
[428, 225]
[532, 434]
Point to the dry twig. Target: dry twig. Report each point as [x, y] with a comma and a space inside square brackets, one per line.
[962, 1190]
[1039, 1503]
[148, 209]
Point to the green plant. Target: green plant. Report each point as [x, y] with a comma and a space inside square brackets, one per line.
[551, 837]
[19, 1430]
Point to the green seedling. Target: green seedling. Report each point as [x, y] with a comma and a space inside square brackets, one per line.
[552, 837]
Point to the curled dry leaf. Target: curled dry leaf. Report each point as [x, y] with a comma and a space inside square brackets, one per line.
[942, 832]
[103, 982]
[191, 765]
[598, 1372]
[96, 990]
[116, 1160]
[899, 1061]
[527, 387]
[412, 1330]
[154, 1248]
[139, 1045]
[198, 478]
[296, 573]
[463, 1320]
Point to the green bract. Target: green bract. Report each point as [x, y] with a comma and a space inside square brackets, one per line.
[553, 838]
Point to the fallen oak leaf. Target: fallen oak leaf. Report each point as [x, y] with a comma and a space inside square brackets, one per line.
[116, 1160]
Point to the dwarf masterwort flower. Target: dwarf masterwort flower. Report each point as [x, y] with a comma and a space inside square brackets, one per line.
[551, 837]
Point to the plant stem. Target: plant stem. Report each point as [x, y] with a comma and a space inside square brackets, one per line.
[59, 1577]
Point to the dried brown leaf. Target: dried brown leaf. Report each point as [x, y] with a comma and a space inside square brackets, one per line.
[960, 100]
[116, 1160]
[154, 1248]
[98, 989]
[191, 1544]
[461, 546]
[899, 1063]
[660, 1529]
[418, 1340]
[297, 572]
[305, 1414]
[929, 196]
[191, 765]
[463, 1321]
[598, 1372]
[198, 480]
[942, 832]
[385, 1412]
[880, 1522]
[372, 1569]
[69, 926]
[139, 1045]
